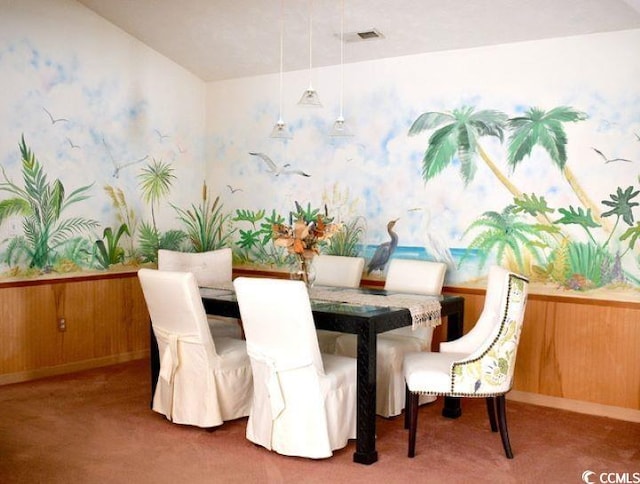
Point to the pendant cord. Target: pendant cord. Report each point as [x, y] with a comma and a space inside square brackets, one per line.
[341, 58]
[281, 56]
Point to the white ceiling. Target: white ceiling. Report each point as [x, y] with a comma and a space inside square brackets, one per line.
[224, 39]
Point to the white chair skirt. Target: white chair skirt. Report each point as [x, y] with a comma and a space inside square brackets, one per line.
[390, 384]
[205, 398]
[326, 404]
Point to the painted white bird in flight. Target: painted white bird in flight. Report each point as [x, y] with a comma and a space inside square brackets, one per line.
[278, 170]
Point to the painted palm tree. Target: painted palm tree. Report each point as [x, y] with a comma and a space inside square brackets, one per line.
[457, 134]
[507, 234]
[155, 182]
[544, 128]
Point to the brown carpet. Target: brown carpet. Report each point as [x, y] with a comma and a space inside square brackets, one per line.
[96, 427]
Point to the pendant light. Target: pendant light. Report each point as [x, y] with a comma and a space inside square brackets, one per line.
[280, 129]
[310, 97]
[340, 128]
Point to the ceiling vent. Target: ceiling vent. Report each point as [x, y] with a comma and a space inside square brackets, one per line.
[371, 34]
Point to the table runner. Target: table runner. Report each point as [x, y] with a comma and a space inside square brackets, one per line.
[425, 310]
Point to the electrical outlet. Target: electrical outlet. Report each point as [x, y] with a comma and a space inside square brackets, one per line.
[62, 324]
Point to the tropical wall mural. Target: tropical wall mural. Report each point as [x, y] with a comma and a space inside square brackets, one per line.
[523, 155]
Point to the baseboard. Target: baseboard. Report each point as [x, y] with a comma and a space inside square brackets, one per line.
[72, 367]
[619, 413]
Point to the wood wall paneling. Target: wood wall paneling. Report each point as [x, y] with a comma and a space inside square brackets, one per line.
[106, 321]
[571, 350]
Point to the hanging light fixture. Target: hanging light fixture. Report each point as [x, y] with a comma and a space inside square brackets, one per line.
[339, 126]
[280, 129]
[310, 96]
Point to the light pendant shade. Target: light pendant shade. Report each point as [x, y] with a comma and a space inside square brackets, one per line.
[339, 128]
[310, 97]
[280, 129]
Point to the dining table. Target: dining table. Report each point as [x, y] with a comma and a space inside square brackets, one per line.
[364, 320]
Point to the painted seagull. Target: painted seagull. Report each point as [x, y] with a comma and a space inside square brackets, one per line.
[609, 160]
[275, 169]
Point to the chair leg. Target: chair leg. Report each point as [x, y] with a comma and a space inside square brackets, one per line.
[491, 410]
[407, 398]
[412, 406]
[502, 423]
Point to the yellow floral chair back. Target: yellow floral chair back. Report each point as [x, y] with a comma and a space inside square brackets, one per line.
[489, 370]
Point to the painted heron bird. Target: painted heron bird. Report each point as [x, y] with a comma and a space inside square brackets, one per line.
[383, 251]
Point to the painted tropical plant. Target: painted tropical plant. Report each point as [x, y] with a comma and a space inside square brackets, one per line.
[126, 216]
[206, 224]
[110, 253]
[254, 244]
[155, 183]
[348, 240]
[544, 247]
[41, 205]
[509, 235]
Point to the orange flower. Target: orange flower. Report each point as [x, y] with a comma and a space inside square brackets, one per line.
[302, 238]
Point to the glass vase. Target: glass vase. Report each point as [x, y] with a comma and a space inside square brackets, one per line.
[303, 270]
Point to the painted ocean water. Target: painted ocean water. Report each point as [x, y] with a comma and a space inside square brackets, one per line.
[456, 273]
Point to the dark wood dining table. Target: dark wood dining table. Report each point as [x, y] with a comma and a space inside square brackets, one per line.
[364, 321]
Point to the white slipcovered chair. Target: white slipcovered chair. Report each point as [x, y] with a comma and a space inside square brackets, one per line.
[201, 382]
[304, 402]
[337, 271]
[410, 276]
[209, 268]
[480, 364]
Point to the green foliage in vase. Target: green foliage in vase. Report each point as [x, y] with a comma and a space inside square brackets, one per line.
[110, 253]
[347, 241]
[41, 204]
[206, 224]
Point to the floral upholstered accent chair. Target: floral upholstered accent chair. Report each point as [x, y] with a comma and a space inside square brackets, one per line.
[481, 363]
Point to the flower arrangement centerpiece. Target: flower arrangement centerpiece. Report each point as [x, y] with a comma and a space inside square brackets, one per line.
[304, 235]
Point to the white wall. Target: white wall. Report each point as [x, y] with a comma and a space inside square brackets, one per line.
[123, 102]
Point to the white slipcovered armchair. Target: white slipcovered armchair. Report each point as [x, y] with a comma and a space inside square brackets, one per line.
[209, 268]
[410, 276]
[480, 364]
[304, 402]
[201, 382]
[336, 271]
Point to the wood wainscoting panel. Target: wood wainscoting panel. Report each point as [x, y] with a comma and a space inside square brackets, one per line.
[105, 320]
[597, 352]
[574, 348]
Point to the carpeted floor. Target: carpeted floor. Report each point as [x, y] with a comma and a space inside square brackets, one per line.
[96, 427]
